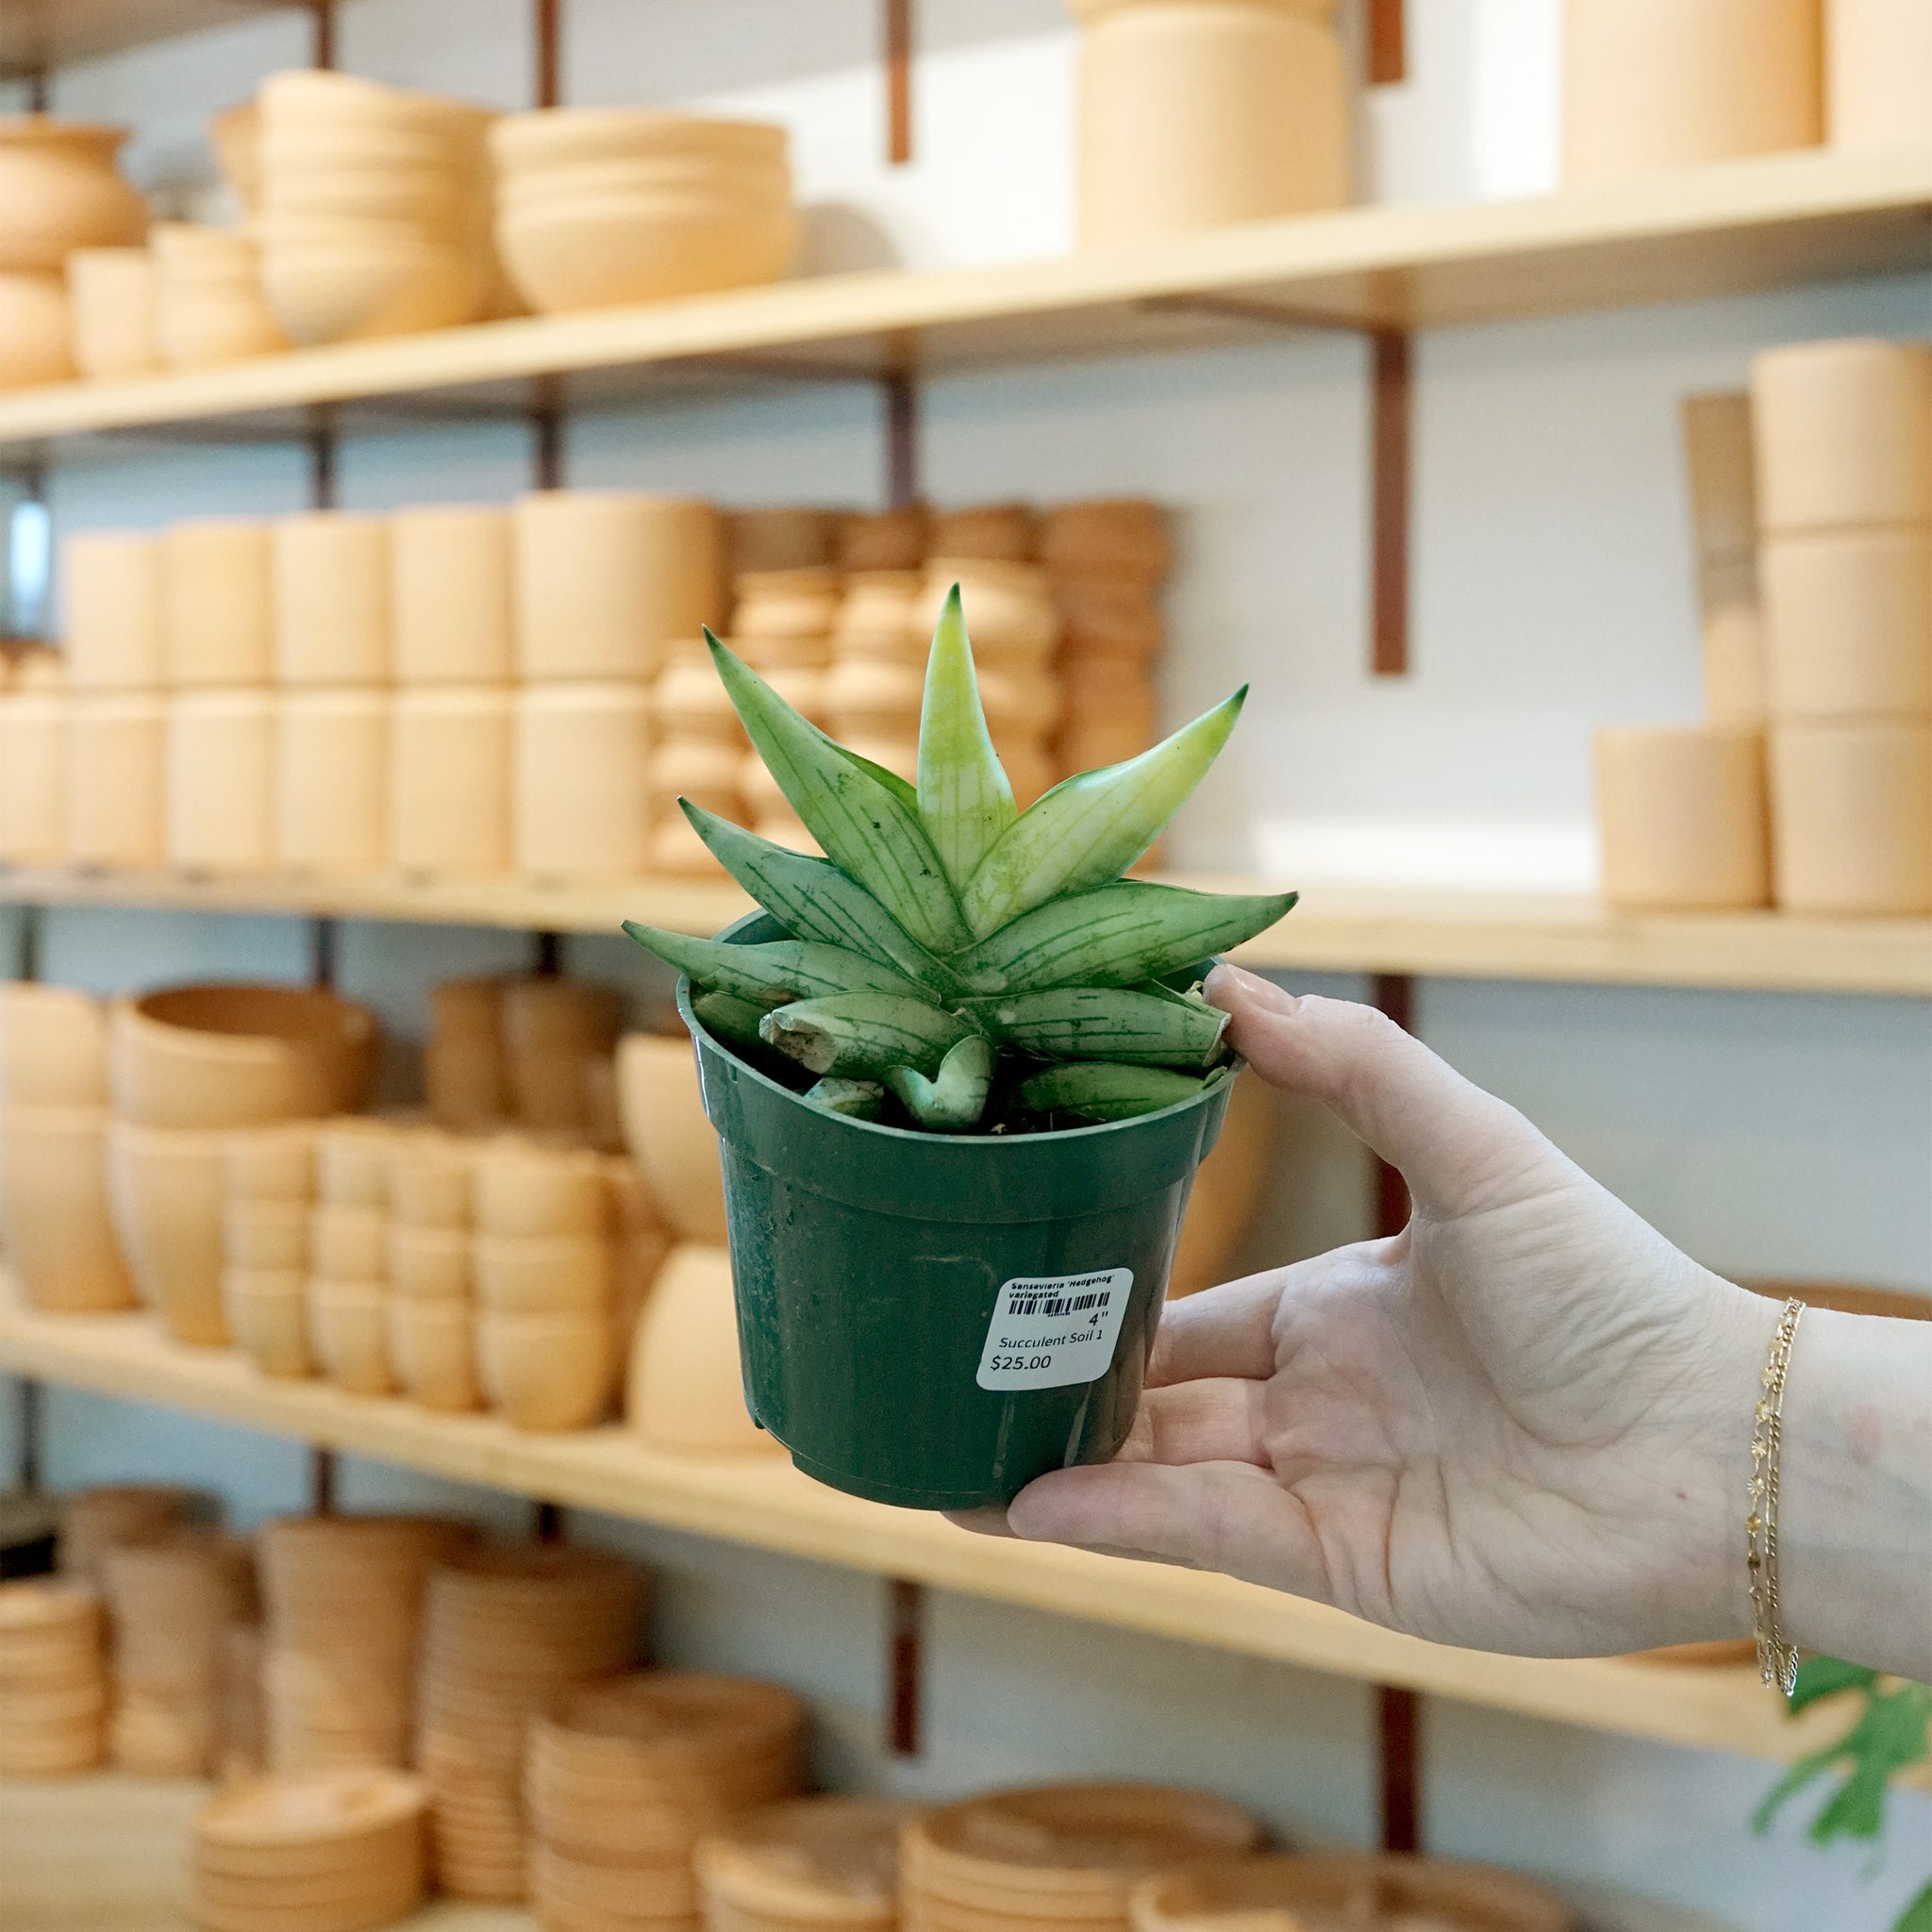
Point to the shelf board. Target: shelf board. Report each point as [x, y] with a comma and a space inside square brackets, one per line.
[762, 1502]
[1716, 230]
[38, 35]
[1434, 934]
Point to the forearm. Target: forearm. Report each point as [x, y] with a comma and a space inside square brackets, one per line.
[1855, 1529]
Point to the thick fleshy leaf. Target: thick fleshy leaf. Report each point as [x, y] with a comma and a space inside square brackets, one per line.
[1105, 1090]
[773, 973]
[729, 1017]
[954, 1098]
[1115, 935]
[812, 899]
[1091, 828]
[866, 827]
[861, 1036]
[1077, 1023]
[965, 802]
[858, 1100]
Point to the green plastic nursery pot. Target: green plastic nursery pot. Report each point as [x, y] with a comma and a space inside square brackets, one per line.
[934, 1319]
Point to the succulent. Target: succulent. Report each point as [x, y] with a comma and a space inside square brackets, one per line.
[954, 962]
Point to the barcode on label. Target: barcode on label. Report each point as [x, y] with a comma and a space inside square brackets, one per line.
[1055, 1305]
[1052, 1331]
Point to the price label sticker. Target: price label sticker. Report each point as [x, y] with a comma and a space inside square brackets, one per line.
[1049, 1330]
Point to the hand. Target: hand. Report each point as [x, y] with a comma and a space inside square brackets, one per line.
[1521, 1424]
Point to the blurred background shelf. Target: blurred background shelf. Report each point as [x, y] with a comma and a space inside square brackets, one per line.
[36, 35]
[1436, 934]
[1721, 229]
[762, 1502]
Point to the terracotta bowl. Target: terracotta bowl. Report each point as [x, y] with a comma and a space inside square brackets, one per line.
[234, 1056]
[36, 330]
[348, 1243]
[325, 100]
[59, 191]
[348, 1328]
[429, 1263]
[54, 1216]
[432, 1346]
[266, 1234]
[354, 292]
[555, 137]
[274, 1163]
[164, 1187]
[545, 1372]
[751, 186]
[684, 1392]
[268, 1314]
[431, 1175]
[111, 292]
[464, 1081]
[644, 248]
[440, 199]
[668, 1135]
[53, 1046]
[525, 1190]
[537, 1274]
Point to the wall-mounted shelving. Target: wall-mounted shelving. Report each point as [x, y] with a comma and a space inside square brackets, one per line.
[1438, 934]
[36, 35]
[764, 1502]
[1716, 230]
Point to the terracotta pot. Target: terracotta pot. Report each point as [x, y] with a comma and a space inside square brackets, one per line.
[684, 1392]
[33, 777]
[1879, 71]
[274, 1163]
[688, 701]
[604, 579]
[1849, 620]
[331, 599]
[116, 779]
[54, 1215]
[351, 292]
[1117, 538]
[862, 698]
[1736, 673]
[164, 1187]
[676, 850]
[878, 618]
[535, 1192]
[449, 595]
[36, 330]
[781, 539]
[348, 1330]
[775, 603]
[542, 1274]
[427, 203]
[550, 1092]
[111, 297]
[450, 782]
[549, 1014]
[555, 137]
[432, 1347]
[1852, 815]
[58, 191]
[1099, 615]
[348, 1243]
[1651, 84]
[111, 610]
[889, 539]
[696, 768]
[53, 1046]
[325, 99]
[1024, 701]
[1009, 607]
[238, 1055]
[1681, 814]
[1843, 434]
[267, 1312]
[581, 780]
[431, 1177]
[331, 806]
[465, 1082]
[217, 604]
[219, 781]
[1191, 116]
[353, 1155]
[470, 1007]
[208, 306]
[266, 1234]
[429, 1263]
[987, 532]
[668, 1136]
[235, 134]
[545, 1372]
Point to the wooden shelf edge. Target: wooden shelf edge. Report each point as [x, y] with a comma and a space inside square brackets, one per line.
[764, 1503]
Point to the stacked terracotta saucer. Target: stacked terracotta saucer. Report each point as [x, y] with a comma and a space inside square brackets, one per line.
[1057, 1857]
[341, 1852]
[505, 1631]
[92, 1521]
[343, 1597]
[240, 1720]
[53, 1679]
[829, 1863]
[624, 1777]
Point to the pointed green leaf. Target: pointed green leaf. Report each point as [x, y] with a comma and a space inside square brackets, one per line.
[866, 827]
[890, 780]
[1105, 1090]
[1115, 935]
[965, 802]
[729, 1017]
[1076, 1023]
[773, 973]
[813, 900]
[859, 1036]
[860, 1100]
[1918, 1916]
[954, 1098]
[1826, 1676]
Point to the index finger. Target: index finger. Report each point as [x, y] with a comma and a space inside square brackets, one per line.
[1221, 1332]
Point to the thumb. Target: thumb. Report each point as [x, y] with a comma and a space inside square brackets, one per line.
[1454, 1145]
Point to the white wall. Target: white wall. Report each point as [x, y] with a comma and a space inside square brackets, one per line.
[1775, 1135]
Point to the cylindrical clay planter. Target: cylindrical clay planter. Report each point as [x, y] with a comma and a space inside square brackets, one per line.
[450, 782]
[115, 784]
[582, 793]
[1682, 817]
[110, 599]
[221, 781]
[332, 781]
[450, 600]
[217, 604]
[1879, 71]
[331, 599]
[1849, 620]
[1851, 806]
[934, 1321]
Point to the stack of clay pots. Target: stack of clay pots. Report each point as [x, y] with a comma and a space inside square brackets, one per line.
[1651, 84]
[701, 753]
[832, 1863]
[781, 537]
[683, 1390]
[53, 1679]
[1107, 560]
[54, 1216]
[605, 581]
[1346, 1889]
[92, 1522]
[188, 1067]
[558, 1035]
[504, 1632]
[599, 205]
[349, 1255]
[58, 191]
[170, 1604]
[623, 1778]
[374, 207]
[464, 1080]
[450, 610]
[34, 707]
[343, 1599]
[1845, 494]
[268, 1176]
[208, 306]
[111, 295]
[1193, 116]
[341, 1852]
[883, 540]
[240, 1714]
[431, 1309]
[991, 1860]
[1878, 72]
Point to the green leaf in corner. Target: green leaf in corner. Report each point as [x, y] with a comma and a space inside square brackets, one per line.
[1918, 1916]
[1826, 1676]
[1891, 1734]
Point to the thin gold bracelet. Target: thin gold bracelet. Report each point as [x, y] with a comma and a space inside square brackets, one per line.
[1777, 1661]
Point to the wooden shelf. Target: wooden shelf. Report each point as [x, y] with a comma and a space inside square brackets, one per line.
[761, 1501]
[1440, 934]
[1740, 226]
[37, 35]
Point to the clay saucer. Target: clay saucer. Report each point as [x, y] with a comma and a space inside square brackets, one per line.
[679, 1720]
[663, 1888]
[831, 1861]
[307, 1811]
[35, 1608]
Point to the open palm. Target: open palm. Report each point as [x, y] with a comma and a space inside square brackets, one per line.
[1514, 1426]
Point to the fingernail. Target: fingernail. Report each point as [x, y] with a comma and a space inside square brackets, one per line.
[1225, 982]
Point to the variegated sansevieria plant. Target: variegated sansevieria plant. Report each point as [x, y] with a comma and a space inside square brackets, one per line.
[954, 962]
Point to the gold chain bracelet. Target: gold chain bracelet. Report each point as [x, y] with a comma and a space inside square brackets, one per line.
[1777, 1661]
